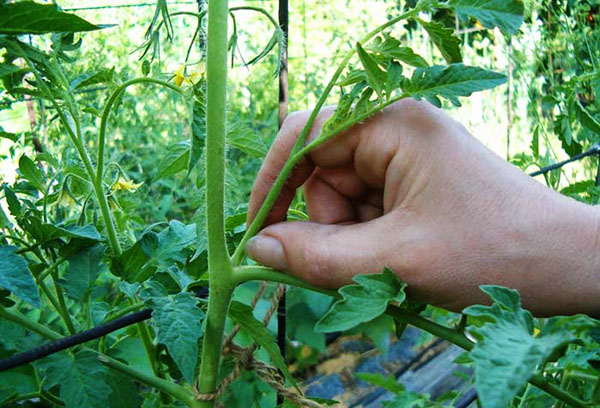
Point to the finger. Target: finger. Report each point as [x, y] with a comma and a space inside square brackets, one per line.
[323, 255]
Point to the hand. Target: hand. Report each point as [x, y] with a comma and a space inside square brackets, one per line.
[412, 190]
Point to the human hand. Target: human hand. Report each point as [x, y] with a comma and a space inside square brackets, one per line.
[412, 190]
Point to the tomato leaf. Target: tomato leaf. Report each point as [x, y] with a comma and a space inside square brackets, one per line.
[375, 75]
[31, 172]
[15, 276]
[178, 323]
[444, 39]
[363, 301]
[27, 17]
[83, 270]
[82, 379]
[390, 47]
[450, 82]
[242, 315]
[509, 352]
[175, 160]
[504, 14]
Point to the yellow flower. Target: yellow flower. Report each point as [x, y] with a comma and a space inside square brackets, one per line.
[125, 185]
[180, 77]
[64, 198]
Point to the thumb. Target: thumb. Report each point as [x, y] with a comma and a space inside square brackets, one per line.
[323, 255]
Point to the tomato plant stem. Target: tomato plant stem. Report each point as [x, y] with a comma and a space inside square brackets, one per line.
[35, 327]
[219, 266]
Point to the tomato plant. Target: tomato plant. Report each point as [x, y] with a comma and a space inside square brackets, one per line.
[70, 260]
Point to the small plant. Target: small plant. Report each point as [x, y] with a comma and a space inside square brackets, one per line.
[53, 267]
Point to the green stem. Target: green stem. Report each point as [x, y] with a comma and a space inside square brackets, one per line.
[169, 388]
[97, 177]
[63, 310]
[35, 327]
[148, 347]
[262, 213]
[52, 267]
[219, 266]
[247, 273]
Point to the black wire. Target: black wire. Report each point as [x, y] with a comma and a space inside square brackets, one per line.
[595, 149]
[74, 340]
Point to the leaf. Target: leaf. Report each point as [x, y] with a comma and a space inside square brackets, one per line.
[390, 47]
[14, 206]
[586, 120]
[388, 383]
[175, 160]
[198, 138]
[15, 276]
[18, 380]
[444, 39]
[250, 144]
[363, 302]
[178, 323]
[504, 14]
[83, 270]
[133, 265]
[450, 82]
[82, 379]
[31, 172]
[27, 17]
[375, 75]
[92, 78]
[242, 315]
[508, 354]
[8, 69]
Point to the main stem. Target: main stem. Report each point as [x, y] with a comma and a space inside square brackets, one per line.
[219, 265]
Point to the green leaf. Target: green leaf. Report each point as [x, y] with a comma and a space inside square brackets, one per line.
[27, 17]
[198, 138]
[175, 160]
[14, 206]
[242, 315]
[82, 379]
[388, 383]
[8, 69]
[450, 82]
[177, 321]
[390, 47]
[15, 276]
[83, 270]
[248, 143]
[509, 352]
[31, 172]
[104, 75]
[444, 39]
[363, 302]
[18, 380]
[375, 75]
[504, 14]
[586, 120]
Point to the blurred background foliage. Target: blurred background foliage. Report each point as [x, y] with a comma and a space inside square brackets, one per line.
[547, 113]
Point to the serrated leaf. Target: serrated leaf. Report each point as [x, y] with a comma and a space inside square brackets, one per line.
[8, 69]
[104, 75]
[15, 276]
[82, 378]
[504, 14]
[31, 172]
[375, 75]
[27, 17]
[177, 321]
[362, 302]
[450, 82]
[242, 315]
[248, 143]
[509, 353]
[586, 119]
[444, 39]
[83, 270]
[175, 160]
[391, 47]
[14, 206]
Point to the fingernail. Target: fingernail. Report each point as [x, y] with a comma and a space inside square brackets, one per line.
[267, 251]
